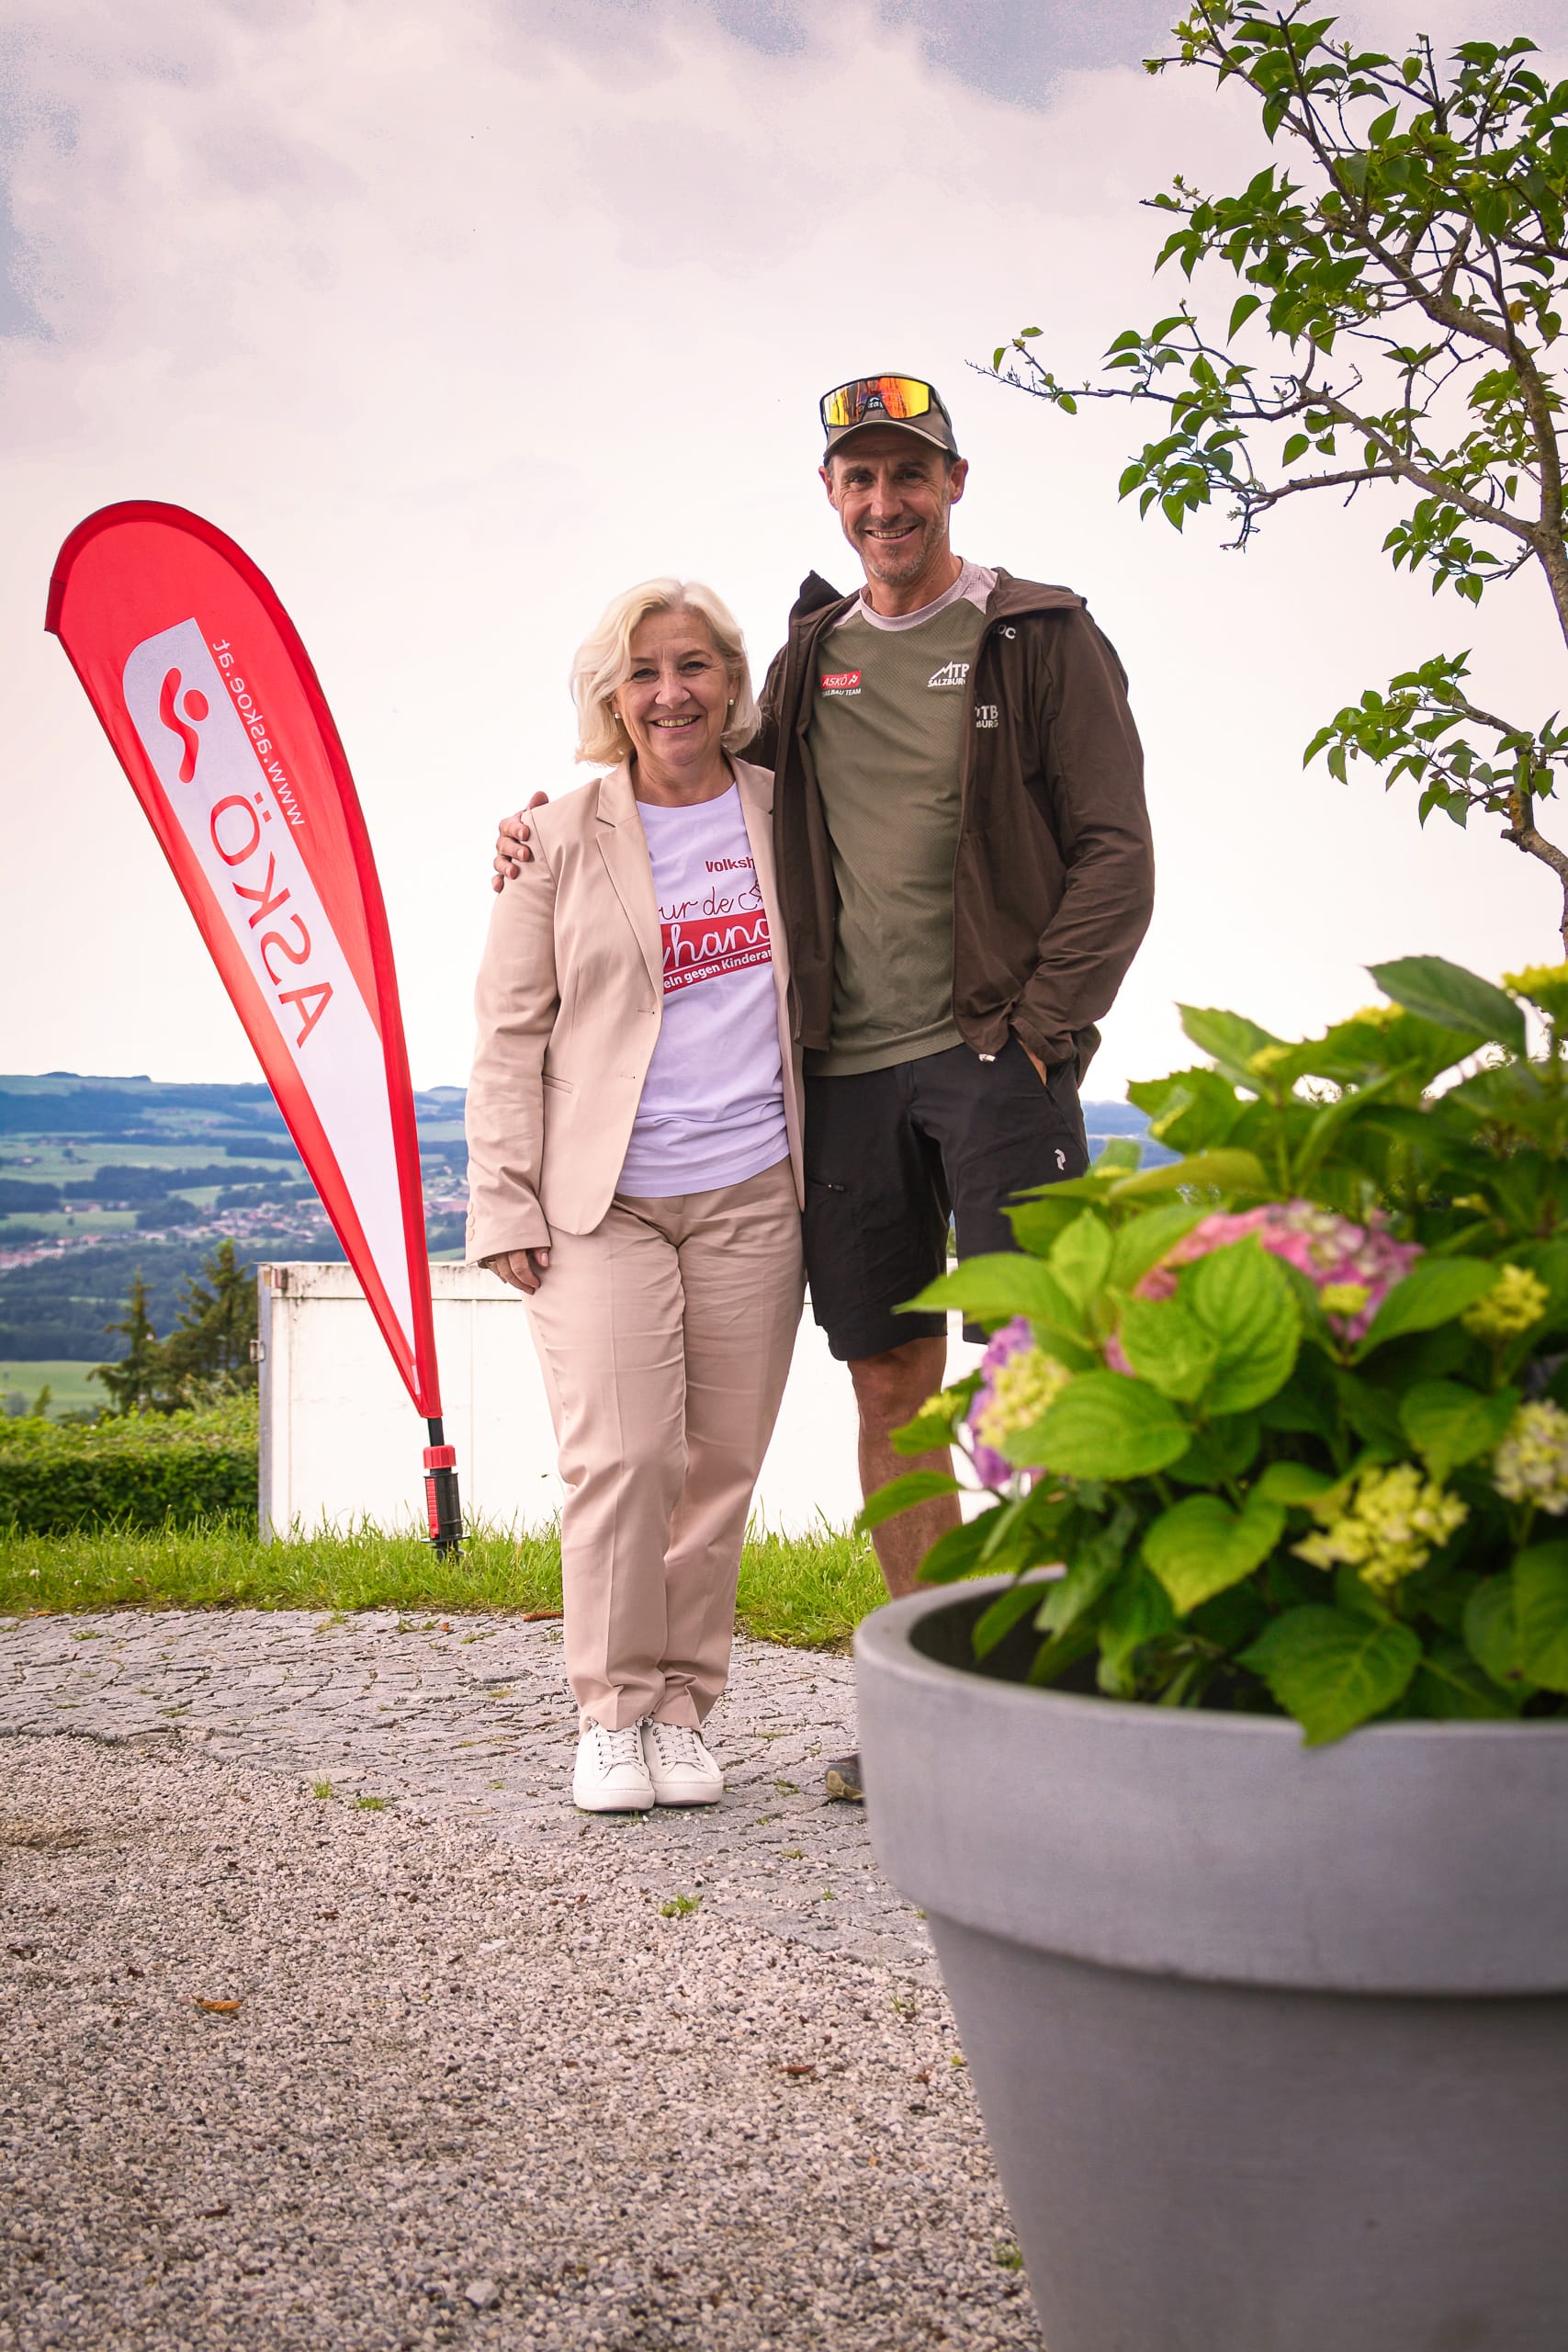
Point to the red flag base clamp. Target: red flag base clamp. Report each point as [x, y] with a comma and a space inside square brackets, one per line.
[443, 1510]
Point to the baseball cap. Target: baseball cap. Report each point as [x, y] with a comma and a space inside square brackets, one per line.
[907, 402]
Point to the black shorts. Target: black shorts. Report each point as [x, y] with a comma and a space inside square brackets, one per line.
[892, 1154]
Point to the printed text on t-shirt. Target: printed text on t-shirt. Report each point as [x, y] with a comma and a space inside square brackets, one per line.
[704, 938]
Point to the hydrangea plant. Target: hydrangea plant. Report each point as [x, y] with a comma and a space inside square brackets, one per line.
[1288, 1415]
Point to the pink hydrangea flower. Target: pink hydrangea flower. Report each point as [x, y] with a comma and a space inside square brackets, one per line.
[992, 1468]
[1361, 1263]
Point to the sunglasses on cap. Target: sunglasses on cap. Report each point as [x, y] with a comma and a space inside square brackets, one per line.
[864, 398]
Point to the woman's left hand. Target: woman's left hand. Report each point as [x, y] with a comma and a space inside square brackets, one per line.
[524, 1268]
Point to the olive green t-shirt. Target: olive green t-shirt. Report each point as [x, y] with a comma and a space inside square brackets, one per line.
[890, 700]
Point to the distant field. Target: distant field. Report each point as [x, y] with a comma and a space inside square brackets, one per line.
[43, 1162]
[50, 1222]
[67, 1378]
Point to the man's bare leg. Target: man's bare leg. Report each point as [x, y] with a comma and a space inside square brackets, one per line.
[890, 1390]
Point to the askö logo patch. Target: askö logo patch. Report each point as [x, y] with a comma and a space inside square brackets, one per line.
[840, 682]
[951, 673]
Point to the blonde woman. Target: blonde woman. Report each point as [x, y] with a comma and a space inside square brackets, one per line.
[634, 1142]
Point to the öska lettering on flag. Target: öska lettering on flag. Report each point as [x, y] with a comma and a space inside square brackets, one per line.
[215, 714]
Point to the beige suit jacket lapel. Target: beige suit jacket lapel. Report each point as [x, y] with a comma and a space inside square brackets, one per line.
[623, 847]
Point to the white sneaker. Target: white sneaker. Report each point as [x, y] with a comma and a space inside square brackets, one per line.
[610, 1775]
[680, 1769]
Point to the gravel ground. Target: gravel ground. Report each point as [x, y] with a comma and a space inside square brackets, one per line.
[484, 2072]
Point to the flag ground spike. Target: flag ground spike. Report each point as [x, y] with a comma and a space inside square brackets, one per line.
[443, 1510]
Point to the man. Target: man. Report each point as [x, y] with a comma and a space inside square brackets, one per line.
[965, 874]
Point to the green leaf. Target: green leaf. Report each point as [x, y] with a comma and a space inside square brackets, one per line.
[1119, 1155]
[1446, 993]
[1229, 1038]
[957, 1552]
[1221, 1453]
[1080, 1258]
[1296, 447]
[1137, 1611]
[1291, 1482]
[994, 1288]
[1491, 1631]
[1168, 1346]
[1449, 1689]
[1096, 1568]
[1244, 1300]
[1191, 1110]
[1241, 311]
[1220, 1172]
[903, 1494]
[1541, 1614]
[1356, 1599]
[1448, 1424]
[1371, 1412]
[1332, 1671]
[1436, 1290]
[1144, 1240]
[1106, 1426]
[1201, 1546]
[995, 1623]
[1038, 1224]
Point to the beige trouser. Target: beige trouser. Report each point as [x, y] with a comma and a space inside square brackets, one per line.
[665, 1336]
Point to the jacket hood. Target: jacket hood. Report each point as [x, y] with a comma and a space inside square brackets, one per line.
[1009, 597]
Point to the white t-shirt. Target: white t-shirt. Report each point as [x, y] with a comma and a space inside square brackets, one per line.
[712, 1109]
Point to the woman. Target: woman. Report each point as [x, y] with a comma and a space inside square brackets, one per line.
[633, 1143]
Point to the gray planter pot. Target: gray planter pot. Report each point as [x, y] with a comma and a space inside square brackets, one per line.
[1271, 2042]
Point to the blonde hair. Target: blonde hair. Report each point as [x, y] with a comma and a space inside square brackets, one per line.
[602, 663]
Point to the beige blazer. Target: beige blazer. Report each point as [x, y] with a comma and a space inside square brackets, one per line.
[570, 1000]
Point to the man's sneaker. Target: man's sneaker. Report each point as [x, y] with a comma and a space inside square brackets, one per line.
[843, 1781]
[610, 1775]
[679, 1766]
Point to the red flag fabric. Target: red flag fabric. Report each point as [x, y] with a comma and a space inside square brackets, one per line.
[219, 720]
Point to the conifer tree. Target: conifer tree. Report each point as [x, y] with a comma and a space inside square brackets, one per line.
[135, 1381]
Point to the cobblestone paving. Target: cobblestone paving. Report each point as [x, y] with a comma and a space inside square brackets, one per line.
[472, 1718]
[477, 2071]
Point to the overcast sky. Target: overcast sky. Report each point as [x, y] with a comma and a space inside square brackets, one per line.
[461, 319]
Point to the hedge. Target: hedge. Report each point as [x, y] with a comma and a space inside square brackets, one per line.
[145, 1470]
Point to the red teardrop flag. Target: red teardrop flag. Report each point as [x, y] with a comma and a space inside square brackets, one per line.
[219, 719]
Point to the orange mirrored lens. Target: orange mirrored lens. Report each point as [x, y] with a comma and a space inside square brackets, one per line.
[894, 396]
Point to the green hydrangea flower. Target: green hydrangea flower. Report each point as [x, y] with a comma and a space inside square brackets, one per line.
[1516, 1301]
[1531, 1464]
[1020, 1391]
[1385, 1524]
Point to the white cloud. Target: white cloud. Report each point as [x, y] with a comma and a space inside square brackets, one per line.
[461, 321]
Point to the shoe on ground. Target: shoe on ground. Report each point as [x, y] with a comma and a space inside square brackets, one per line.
[610, 1775]
[844, 1782]
[679, 1766]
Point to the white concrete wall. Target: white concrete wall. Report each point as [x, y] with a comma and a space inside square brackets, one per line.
[341, 1442]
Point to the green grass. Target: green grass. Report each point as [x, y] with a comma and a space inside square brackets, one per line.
[807, 1592]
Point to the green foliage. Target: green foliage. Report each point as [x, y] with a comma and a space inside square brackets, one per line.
[136, 1470]
[1398, 283]
[208, 1352]
[1304, 1443]
[135, 1380]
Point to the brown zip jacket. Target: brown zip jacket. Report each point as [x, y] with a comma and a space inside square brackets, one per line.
[1053, 885]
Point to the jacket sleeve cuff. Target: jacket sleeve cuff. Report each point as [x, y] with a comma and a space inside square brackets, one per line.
[528, 1229]
[1048, 1046]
